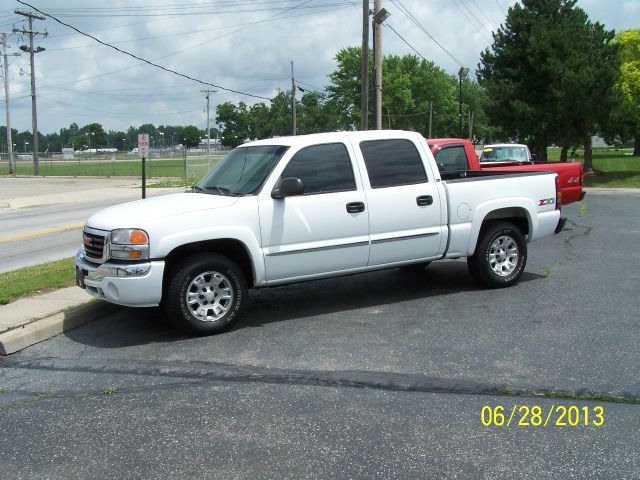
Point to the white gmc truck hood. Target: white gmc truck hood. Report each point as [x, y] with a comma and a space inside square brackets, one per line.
[140, 212]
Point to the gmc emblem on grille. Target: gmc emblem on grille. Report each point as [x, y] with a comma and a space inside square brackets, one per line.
[87, 242]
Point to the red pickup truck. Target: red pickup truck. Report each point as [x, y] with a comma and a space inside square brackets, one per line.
[458, 154]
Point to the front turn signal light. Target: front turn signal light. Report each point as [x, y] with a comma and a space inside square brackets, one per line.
[138, 237]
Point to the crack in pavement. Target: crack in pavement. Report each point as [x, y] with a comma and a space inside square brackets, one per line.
[210, 371]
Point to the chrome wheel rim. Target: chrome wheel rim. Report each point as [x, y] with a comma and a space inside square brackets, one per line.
[503, 256]
[209, 296]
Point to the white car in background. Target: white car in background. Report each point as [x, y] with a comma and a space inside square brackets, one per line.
[506, 152]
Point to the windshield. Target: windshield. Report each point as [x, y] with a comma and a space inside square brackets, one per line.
[242, 171]
[504, 154]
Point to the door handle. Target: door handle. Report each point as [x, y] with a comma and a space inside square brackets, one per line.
[424, 200]
[355, 207]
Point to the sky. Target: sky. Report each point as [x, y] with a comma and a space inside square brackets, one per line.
[241, 45]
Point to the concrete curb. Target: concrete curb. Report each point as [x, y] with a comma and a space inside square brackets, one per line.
[38, 330]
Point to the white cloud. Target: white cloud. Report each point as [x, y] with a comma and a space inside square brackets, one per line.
[82, 83]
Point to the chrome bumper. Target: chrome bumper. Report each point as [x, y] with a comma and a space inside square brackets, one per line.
[97, 273]
[132, 285]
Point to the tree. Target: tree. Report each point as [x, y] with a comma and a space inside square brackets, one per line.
[549, 74]
[344, 89]
[411, 87]
[94, 134]
[281, 123]
[234, 123]
[626, 118]
[190, 136]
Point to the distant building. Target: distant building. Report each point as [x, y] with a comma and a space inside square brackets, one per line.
[67, 153]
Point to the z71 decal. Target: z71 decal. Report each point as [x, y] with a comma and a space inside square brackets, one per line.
[546, 201]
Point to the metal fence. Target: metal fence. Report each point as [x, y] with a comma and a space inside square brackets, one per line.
[191, 164]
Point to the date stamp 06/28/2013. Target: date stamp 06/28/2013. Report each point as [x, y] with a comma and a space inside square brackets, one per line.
[538, 416]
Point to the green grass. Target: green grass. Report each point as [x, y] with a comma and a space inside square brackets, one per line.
[37, 279]
[124, 166]
[613, 168]
[173, 182]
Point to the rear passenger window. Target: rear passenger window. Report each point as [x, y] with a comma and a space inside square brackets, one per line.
[392, 162]
[322, 169]
[452, 158]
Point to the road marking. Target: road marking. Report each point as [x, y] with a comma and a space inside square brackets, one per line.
[44, 231]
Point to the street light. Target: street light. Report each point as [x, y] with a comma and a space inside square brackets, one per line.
[161, 139]
[378, 18]
[462, 73]
[89, 134]
[25, 146]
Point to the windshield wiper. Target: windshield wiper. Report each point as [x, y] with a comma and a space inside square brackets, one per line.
[196, 189]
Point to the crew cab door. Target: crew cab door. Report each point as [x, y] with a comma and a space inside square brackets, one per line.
[324, 230]
[405, 215]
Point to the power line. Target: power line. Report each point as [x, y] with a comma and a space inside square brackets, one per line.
[181, 12]
[473, 17]
[189, 32]
[155, 64]
[403, 39]
[483, 14]
[413, 19]
[116, 114]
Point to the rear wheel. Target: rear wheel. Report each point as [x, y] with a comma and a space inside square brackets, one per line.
[500, 256]
[206, 294]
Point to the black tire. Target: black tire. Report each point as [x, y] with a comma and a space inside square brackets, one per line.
[415, 267]
[500, 256]
[218, 291]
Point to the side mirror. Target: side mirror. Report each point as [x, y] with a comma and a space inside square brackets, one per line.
[288, 187]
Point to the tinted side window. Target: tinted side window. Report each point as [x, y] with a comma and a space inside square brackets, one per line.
[392, 162]
[452, 158]
[322, 169]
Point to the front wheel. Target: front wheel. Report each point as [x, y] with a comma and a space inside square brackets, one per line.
[206, 294]
[500, 256]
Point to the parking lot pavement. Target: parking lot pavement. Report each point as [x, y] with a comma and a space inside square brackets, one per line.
[242, 430]
[571, 323]
[367, 375]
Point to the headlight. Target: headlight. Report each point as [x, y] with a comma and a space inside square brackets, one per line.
[129, 236]
[129, 244]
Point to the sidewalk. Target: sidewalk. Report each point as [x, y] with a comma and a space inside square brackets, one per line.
[30, 320]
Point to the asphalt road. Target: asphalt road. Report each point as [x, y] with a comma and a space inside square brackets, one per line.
[41, 219]
[380, 375]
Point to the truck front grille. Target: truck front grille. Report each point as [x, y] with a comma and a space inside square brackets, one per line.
[94, 245]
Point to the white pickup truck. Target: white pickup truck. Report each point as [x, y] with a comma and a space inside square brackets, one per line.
[291, 209]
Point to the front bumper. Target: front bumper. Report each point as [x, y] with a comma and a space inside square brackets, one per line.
[131, 285]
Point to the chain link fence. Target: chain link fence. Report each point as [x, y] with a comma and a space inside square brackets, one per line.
[167, 163]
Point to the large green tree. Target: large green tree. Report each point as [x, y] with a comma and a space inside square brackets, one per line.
[234, 123]
[413, 89]
[549, 74]
[190, 136]
[625, 122]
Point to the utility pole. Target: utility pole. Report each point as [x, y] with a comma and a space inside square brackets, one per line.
[462, 73]
[379, 16]
[364, 68]
[430, 119]
[293, 102]
[207, 95]
[12, 166]
[32, 51]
